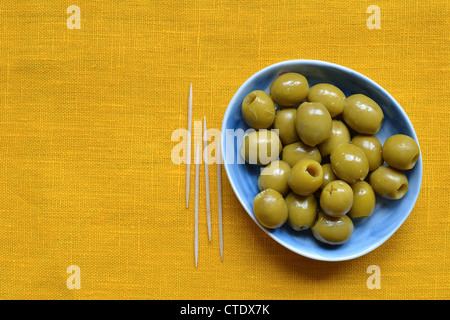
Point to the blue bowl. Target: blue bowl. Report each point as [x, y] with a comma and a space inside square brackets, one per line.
[369, 233]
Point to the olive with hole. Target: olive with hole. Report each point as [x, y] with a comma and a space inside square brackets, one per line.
[285, 124]
[313, 123]
[389, 183]
[362, 114]
[364, 200]
[401, 152]
[302, 211]
[294, 152]
[332, 230]
[289, 89]
[305, 177]
[329, 95]
[336, 198]
[270, 208]
[371, 146]
[275, 176]
[261, 147]
[349, 163]
[339, 134]
[258, 110]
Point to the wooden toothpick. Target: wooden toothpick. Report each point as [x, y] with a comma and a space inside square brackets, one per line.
[205, 157]
[197, 168]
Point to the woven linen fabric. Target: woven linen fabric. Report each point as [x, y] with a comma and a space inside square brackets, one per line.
[86, 121]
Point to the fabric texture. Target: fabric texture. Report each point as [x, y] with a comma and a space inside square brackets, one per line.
[86, 118]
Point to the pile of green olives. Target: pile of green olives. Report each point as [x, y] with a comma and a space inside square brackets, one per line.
[323, 165]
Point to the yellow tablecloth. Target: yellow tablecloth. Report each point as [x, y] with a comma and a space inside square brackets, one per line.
[86, 117]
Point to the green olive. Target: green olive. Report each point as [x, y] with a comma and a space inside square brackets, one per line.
[329, 95]
[285, 124]
[349, 163]
[328, 175]
[332, 230]
[270, 208]
[258, 110]
[261, 147]
[362, 114]
[336, 198]
[364, 200]
[275, 176]
[400, 152]
[389, 183]
[302, 211]
[294, 152]
[289, 89]
[371, 146]
[339, 134]
[305, 177]
[313, 123]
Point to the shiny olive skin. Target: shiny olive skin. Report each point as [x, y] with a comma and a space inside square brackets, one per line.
[329, 95]
[339, 134]
[270, 208]
[285, 124]
[332, 230]
[305, 177]
[336, 198]
[289, 89]
[362, 114]
[400, 152]
[371, 146]
[261, 147]
[349, 163]
[302, 211]
[258, 110]
[328, 175]
[313, 123]
[294, 152]
[389, 183]
[275, 176]
[364, 200]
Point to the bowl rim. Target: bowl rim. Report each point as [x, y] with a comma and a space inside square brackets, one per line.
[321, 63]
